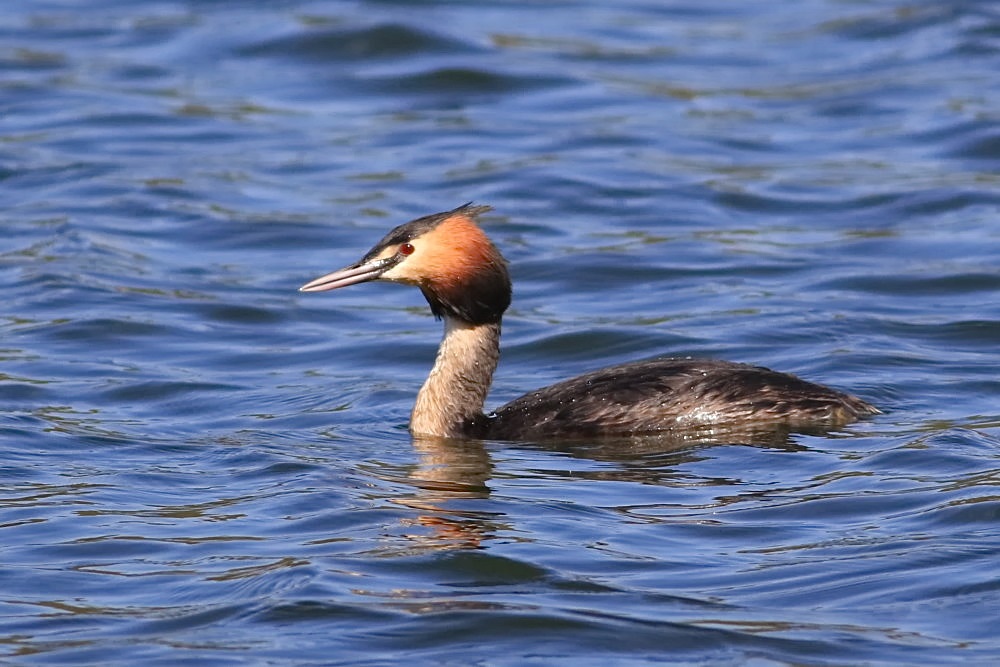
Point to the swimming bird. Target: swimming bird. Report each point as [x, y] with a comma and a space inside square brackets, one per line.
[466, 283]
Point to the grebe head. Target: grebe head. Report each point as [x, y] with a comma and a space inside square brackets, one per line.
[459, 270]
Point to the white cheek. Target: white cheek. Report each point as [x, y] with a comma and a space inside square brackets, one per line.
[401, 273]
[391, 274]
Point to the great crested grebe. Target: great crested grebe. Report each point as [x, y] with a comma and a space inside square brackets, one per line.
[464, 279]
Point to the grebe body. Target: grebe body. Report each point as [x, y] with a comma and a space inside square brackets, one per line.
[465, 281]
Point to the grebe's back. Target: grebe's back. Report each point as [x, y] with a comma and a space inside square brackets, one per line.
[675, 395]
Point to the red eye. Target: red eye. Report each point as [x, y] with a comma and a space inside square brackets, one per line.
[406, 249]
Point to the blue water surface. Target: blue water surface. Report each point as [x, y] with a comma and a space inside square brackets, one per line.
[200, 465]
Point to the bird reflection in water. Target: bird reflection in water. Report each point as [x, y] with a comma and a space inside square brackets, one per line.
[450, 478]
[452, 475]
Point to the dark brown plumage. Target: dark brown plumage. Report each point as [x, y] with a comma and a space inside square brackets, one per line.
[672, 394]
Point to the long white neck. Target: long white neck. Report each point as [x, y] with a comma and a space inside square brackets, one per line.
[454, 393]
